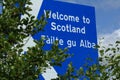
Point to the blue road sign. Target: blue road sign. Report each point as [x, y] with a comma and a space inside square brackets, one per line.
[74, 26]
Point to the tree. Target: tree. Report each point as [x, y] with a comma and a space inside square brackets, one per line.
[107, 69]
[17, 66]
[109, 63]
[13, 31]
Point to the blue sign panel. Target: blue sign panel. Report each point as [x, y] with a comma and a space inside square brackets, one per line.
[74, 26]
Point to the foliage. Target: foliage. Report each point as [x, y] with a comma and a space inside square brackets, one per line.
[13, 31]
[107, 69]
[17, 66]
[110, 61]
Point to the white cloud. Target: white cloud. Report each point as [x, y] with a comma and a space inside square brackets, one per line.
[107, 40]
[110, 38]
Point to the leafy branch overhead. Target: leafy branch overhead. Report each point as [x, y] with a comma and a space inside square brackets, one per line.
[13, 32]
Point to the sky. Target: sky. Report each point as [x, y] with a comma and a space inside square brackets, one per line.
[107, 17]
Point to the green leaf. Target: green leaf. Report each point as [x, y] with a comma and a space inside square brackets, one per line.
[101, 52]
